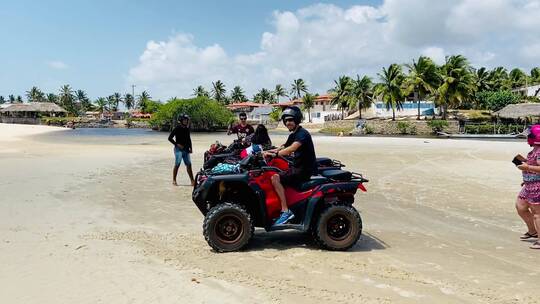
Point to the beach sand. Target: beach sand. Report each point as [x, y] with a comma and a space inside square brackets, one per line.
[90, 222]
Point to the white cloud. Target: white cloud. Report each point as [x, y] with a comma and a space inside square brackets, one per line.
[435, 53]
[57, 64]
[321, 42]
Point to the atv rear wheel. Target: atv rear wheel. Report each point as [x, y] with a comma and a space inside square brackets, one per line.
[338, 228]
[227, 227]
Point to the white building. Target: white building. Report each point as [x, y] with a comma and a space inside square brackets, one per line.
[529, 90]
[322, 108]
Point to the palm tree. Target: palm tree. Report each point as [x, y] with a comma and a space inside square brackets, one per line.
[362, 94]
[457, 84]
[129, 101]
[83, 100]
[257, 98]
[535, 75]
[117, 99]
[279, 91]
[498, 78]
[35, 95]
[264, 96]
[309, 102]
[389, 90]
[341, 93]
[200, 91]
[237, 94]
[101, 104]
[19, 99]
[110, 103]
[66, 99]
[51, 97]
[482, 80]
[143, 99]
[517, 78]
[11, 98]
[2, 100]
[218, 91]
[297, 88]
[423, 79]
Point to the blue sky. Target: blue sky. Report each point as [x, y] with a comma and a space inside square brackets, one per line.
[98, 46]
[99, 41]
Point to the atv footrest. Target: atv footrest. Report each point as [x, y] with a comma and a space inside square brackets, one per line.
[287, 226]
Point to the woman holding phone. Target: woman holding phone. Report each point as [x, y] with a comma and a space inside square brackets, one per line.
[528, 201]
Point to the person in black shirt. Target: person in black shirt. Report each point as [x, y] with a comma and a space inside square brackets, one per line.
[243, 129]
[301, 146]
[181, 140]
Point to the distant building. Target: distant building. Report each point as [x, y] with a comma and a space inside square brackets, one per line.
[137, 114]
[322, 108]
[261, 114]
[246, 107]
[30, 113]
[531, 91]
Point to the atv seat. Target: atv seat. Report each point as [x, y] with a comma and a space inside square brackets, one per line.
[312, 183]
[324, 162]
[337, 174]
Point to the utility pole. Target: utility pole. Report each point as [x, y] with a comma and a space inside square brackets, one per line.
[133, 95]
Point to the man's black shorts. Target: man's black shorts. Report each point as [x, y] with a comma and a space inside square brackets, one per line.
[294, 177]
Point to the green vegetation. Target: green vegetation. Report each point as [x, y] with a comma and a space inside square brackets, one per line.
[368, 129]
[206, 114]
[309, 101]
[437, 125]
[495, 101]
[55, 121]
[406, 127]
[275, 115]
[390, 90]
[336, 130]
[489, 128]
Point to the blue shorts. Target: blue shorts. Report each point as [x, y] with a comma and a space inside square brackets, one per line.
[180, 155]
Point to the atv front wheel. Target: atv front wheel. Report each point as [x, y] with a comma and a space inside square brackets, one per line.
[338, 228]
[227, 227]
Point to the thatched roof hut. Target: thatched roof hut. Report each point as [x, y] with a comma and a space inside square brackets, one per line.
[30, 113]
[520, 111]
[36, 107]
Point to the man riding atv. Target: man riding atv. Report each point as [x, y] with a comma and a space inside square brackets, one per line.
[300, 145]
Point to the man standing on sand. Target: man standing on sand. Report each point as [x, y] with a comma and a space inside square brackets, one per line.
[181, 139]
[243, 129]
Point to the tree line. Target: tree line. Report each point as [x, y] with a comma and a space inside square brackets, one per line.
[76, 102]
[454, 84]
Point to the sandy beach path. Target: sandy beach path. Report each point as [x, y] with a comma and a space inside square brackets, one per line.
[104, 223]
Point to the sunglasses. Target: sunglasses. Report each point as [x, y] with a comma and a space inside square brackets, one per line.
[243, 118]
[288, 119]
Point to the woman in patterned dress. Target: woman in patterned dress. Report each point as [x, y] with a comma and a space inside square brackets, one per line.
[528, 202]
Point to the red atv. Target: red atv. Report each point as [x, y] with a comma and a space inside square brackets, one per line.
[234, 204]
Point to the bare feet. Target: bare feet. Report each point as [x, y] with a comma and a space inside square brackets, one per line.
[175, 183]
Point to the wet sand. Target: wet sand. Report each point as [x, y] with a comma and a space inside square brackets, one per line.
[89, 221]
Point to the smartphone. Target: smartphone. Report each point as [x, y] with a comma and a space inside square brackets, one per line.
[517, 161]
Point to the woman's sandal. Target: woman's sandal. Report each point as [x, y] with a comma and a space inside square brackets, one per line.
[527, 236]
[535, 245]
